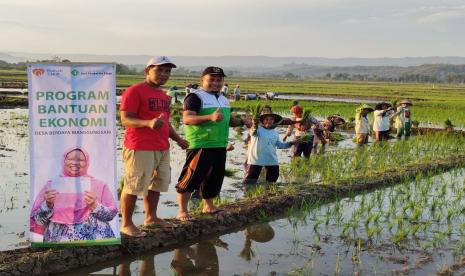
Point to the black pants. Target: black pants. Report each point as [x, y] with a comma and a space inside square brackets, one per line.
[382, 135]
[204, 170]
[272, 174]
[303, 147]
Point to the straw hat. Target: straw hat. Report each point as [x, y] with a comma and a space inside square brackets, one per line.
[260, 232]
[378, 105]
[336, 119]
[365, 106]
[277, 118]
[405, 101]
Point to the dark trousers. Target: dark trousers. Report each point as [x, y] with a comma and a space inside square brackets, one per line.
[272, 174]
[303, 147]
[204, 170]
[382, 135]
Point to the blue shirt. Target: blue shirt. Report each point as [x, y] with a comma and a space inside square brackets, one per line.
[262, 147]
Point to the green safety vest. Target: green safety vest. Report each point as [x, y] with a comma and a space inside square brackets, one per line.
[210, 134]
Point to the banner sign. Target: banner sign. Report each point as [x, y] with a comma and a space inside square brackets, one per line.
[72, 154]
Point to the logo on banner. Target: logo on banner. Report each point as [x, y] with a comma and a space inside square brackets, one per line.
[38, 71]
[75, 72]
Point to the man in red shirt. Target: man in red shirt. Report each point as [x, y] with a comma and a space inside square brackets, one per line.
[145, 111]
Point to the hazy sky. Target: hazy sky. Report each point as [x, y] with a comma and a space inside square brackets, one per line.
[323, 28]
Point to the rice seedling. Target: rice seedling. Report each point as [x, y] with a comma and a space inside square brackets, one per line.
[255, 111]
[340, 166]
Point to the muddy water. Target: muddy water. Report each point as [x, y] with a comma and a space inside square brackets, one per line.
[308, 97]
[13, 91]
[314, 241]
[14, 172]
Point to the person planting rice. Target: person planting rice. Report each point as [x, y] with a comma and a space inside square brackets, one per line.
[296, 109]
[251, 96]
[306, 136]
[362, 124]
[381, 122]
[262, 148]
[403, 119]
[330, 123]
[237, 93]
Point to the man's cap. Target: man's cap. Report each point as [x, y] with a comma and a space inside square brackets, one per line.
[212, 70]
[160, 60]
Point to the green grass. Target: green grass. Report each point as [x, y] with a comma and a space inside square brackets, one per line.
[423, 112]
[370, 161]
[433, 103]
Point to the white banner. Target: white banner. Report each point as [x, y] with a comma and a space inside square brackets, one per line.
[72, 154]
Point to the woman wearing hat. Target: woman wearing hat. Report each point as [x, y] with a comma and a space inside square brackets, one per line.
[362, 124]
[262, 149]
[403, 120]
[381, 122]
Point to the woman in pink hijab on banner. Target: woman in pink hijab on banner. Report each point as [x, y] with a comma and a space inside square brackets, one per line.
[74, 206]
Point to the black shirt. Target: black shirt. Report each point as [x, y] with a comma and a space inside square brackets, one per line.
[193, 103]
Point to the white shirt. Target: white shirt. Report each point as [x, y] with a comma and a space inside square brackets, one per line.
[381, 122]
[362, 124]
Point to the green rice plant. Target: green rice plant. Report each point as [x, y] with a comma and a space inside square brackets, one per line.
[399, 236]
[230, 173]
[306, 114]
[316, 224]
[255, 110]
[373, 231]
[339, 166]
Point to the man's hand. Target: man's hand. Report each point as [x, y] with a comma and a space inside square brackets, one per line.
[217, 116]
[182, 143]
[230, 146]
[157, 123]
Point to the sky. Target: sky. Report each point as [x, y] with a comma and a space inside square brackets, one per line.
[281, 28]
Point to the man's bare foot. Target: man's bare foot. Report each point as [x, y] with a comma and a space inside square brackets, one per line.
[132, 231]
[183, 216]
[157, 223]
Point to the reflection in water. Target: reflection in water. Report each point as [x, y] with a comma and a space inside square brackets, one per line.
[147, 267]
[200, 259]
[260, 233]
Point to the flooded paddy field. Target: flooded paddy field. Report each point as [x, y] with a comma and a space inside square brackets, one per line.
[14, 171]
[413, 228]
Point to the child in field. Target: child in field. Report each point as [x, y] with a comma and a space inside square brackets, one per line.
[266, 110]
[262, 149]
[403, 119]
[362, 124]
[381, 122]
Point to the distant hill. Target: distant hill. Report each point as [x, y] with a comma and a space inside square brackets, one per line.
[420, 69]
[240, 61]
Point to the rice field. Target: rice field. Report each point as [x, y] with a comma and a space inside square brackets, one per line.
[414, 226]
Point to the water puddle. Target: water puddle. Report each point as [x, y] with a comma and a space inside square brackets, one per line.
[413, 228]
[308, 97]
